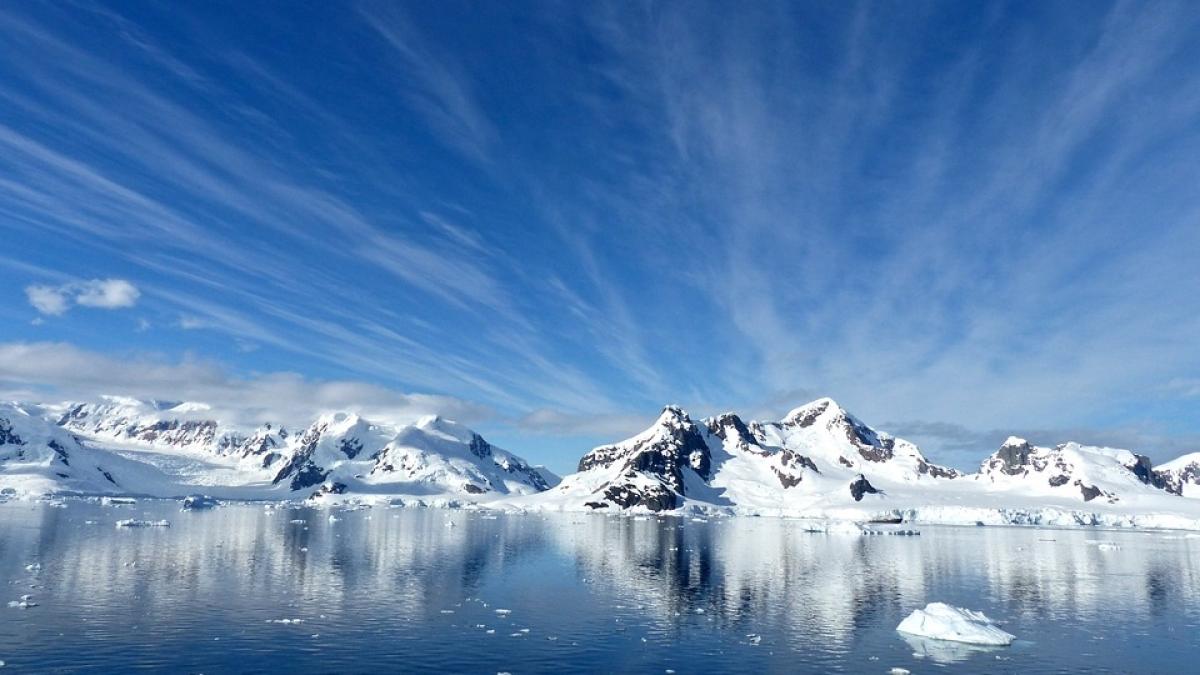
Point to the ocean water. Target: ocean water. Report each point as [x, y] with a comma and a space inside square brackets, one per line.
[403, 590]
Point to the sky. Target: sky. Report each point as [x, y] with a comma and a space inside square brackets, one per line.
[547, 220]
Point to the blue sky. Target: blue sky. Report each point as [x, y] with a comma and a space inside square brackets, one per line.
[961, 220]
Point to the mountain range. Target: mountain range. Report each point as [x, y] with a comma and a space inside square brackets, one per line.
[819, 461]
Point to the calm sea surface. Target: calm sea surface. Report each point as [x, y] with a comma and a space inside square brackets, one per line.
[395, 590]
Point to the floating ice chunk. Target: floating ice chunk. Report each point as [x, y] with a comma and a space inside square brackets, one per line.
[117, 501]
[504, 612]
[754, 639]
[333, 518]
[298, 521]
[25, 602]
[33, 567]
[286, 622]
[131, 522]
[899, 671]
[199, 503]
[940, 621]
[447, 611]
[833, 527]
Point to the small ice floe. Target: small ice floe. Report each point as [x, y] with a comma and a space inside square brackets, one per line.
[286, 622]
[898, 671]
[117, 501]
[333, 518]
[199, 503]
[298, 521]
[504, 612]
[940, 621]
[33, 567]
[132, 522]
[754, 639]
[447, 611]
[1108, 547]
[25, 602]
[490, 631]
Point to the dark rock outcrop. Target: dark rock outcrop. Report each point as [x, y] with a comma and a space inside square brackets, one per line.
[861, 486]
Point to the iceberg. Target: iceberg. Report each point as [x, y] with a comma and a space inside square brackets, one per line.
[131, 522]
[940, 621]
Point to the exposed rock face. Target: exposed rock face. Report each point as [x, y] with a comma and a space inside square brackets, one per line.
[1144, 470]
[1180, 474]
[861, 486]
[1013, 457]
[7, 435]
[651, 466]
[676, 443]
[653, 497]
[301, 469]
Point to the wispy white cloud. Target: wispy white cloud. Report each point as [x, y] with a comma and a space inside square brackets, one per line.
[434, 83]
[96, 293]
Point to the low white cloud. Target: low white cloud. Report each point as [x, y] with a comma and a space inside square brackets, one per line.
[54, 372]
[98, 293]
[612, 426]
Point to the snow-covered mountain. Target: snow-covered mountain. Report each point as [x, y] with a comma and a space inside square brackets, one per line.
[37, 456]
[1182, 474]
[1073, 470]
[820, 461]
[172, 448]
[818, 453]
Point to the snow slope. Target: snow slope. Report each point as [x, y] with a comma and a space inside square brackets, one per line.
[174, 449]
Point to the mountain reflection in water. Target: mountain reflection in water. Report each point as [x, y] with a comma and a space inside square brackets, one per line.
[417, 590]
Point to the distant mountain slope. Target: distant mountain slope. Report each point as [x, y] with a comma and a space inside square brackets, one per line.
[816, 451]
[821, 461]
[1079, 471]
[1182, 474]
[37, 457]
[179, 448]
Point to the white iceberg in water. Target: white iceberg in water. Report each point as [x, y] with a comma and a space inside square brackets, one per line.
[940, 621]
[130, 522]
